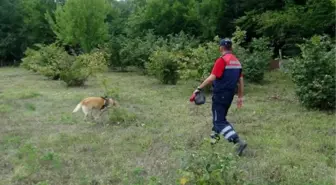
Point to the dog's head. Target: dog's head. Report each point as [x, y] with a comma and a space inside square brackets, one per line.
[112, 102]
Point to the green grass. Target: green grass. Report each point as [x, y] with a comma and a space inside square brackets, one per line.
[42, 142]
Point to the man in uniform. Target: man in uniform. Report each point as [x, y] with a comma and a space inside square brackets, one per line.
[225, 75]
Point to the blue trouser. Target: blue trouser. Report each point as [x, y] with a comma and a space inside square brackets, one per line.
[221, 103]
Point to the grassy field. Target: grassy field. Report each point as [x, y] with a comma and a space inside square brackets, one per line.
[43, 142]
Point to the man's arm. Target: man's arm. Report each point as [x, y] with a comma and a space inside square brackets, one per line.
[241, 87]
[240, 92]
[216, 72]
[207, 81]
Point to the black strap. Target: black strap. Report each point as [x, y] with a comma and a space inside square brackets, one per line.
[106, 103]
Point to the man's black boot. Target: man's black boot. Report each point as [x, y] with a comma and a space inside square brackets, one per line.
[241, 147]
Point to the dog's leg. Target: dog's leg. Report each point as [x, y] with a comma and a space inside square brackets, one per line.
[91, 114]
[97, 117]
[99, 114]
[86, 112]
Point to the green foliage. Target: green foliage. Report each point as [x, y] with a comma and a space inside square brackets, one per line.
[201, 60]
[81, 23]
[164, 65]
[288, 26]
[22, 24]
[255, 58]
[55, 63]
[210, 15]
[83, 67]
[11, 31]
[33, 160]
[110, 91]
[135, 52]
[207, 168]
[164, 17]
[121, 115]
[48, 60]
[334, 2]
[36, 25]
[203, 19]
[314, 73]
[124, 23]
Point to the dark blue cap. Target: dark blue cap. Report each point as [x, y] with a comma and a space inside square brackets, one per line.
[227, 43]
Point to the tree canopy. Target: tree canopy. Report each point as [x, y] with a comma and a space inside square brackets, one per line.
[88, 23]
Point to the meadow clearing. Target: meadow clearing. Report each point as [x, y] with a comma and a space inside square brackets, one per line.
[43, 142]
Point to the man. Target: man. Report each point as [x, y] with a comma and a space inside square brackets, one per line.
[225, 75]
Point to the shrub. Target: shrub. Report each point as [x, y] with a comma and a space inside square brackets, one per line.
[164, 65]
[201, 61]
[110, 91]
[181, 42]
[83, 67]
[47, 60]
[255, 59]
[136, 51]
[55, 63]
[113, 47]
[258, 61]
[121, 115]
[211, 168]
[314, 73]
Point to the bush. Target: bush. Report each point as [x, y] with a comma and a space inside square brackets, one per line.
[211, 168]
[257, 62]
[164, 65]
[181, 42]
[55, 63]
[314, 73]
[110, 91]
[201, 61]
[47, 60]
[255, 59]
[136, 51]
[83, 67]
[113, 47]
[121, 115]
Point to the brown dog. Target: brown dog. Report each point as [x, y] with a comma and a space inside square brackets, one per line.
[90, 104]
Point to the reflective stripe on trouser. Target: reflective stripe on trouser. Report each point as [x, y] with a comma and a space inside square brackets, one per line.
[220, 107]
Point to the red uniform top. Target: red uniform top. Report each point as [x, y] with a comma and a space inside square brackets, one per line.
[221, 65]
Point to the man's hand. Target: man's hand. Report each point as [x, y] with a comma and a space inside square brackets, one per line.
[192, 98]
[240, 103]
[197, 90]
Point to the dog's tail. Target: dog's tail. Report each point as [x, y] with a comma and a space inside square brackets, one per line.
[77, 107]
